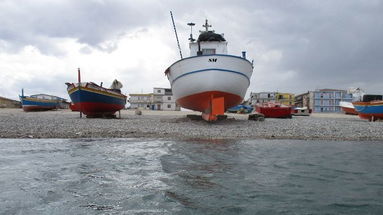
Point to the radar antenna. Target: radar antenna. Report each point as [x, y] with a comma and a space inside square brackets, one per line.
[191, 31]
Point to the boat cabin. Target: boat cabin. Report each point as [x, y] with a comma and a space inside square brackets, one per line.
[370, 97]
[208, 43]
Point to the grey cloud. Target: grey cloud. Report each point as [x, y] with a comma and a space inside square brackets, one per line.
[90, 22]
[326, 43]
[329, 44]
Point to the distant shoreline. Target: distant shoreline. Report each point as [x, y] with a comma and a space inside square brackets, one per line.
[15, 123]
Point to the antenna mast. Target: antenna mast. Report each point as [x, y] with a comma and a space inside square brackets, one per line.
[175, 31]
[191, 31]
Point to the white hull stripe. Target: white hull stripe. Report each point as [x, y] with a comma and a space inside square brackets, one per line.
[211, 69]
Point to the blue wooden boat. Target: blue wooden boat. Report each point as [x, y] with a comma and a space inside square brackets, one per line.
[371, 110]
[38, 102]
[94, 100]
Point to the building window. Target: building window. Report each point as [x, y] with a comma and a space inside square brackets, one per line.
[158, 91]
[208, 51]
[169, 98]
[169, 106]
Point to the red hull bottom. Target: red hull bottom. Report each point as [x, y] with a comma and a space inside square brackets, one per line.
[349, 111]
[275, 112]
[371, 117]
[73, 107]
[94, 109]
[37, 108]
[211, 103]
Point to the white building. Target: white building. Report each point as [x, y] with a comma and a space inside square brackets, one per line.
[262, 97]
[142, 101]
[160, 99]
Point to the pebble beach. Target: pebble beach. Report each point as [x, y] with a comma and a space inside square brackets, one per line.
[15, 123]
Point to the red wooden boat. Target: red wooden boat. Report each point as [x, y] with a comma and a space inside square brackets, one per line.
[274, 110]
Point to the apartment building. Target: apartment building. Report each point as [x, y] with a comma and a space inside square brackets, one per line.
[327, 100]
[159, 99]
[323, 100]
[264, 97]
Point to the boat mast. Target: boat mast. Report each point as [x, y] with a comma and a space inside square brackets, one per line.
[175, 31]
[79, 89]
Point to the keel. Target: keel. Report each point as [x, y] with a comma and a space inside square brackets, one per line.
[216, 108]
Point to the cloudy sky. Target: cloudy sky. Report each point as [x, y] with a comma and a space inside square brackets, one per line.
[297, 45]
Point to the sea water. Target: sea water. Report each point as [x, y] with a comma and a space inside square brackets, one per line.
[156, 176]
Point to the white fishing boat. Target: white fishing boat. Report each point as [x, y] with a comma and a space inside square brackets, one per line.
[210, 80]
[347, 107]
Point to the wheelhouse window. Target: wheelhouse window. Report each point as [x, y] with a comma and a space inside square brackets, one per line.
[208, 51]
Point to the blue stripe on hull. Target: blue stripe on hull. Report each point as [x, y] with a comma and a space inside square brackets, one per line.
[211, 70]
[37, 103]
[213, 55]
[369, 109]
[86, 96]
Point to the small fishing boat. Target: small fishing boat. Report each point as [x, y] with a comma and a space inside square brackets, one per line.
[348, 108]
[38, 102]
[274, 110]
[372, 110]
[209, 81]
[301, 111]
[94, 100]
[358, 95]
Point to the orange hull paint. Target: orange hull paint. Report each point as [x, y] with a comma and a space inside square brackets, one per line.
[203, 102]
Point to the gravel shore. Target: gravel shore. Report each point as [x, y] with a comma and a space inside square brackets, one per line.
[15, 123]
